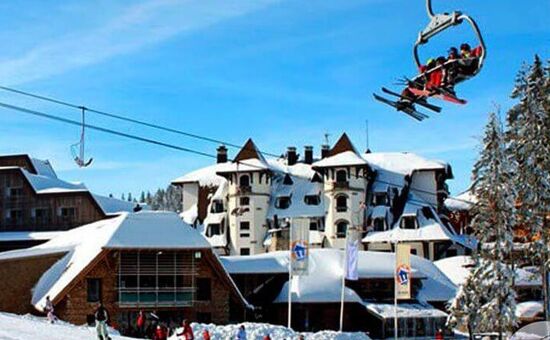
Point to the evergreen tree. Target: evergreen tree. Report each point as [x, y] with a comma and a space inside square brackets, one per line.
[142, 197]
[122, 197]
[129, 197]
[487, 300]
[529, 147]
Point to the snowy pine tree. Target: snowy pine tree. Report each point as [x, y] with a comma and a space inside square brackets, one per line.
[529, 147]
[486, 302]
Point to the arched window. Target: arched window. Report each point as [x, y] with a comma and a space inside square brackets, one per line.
[341, 228]
[341, 176]
[244, 181]
[341, 203]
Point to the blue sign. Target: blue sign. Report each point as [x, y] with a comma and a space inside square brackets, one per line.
[299, 250]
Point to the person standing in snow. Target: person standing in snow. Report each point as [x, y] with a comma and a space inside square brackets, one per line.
[206, 335]
[267, 337]
[186, 331]
[241, 334]
[140, 323]
[48, 308]
[161, 333]
[101, 319]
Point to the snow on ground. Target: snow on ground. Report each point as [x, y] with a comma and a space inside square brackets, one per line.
[257, 331]
[529, 309]
[28, 327]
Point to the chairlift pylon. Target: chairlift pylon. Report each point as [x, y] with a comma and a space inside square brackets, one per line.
[78, 149]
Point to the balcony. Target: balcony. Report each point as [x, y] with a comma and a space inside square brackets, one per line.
[244, 189]
[341, 184]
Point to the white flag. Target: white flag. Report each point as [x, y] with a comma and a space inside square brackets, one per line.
[352, 257]
[299, 246]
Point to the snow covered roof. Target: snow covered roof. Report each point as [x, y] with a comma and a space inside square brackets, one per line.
[404, 163]
[428, 228]
[43, 167]
[143, 230]
[529, 309]
[458, 268]
[464, 201]
[206, 176]
[346, 158]
[325, 274]
[28, 235]
[297, 191]
[404, 310]
[42, 185]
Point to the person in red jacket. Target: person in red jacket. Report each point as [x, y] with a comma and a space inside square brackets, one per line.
[161, 333]
[469, 59]
[140, 323]
[206, 335]
[439, 335]
[186, 331]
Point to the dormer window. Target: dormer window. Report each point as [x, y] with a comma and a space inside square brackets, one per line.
[214, 229]
[282, 202]
[409, 222]
[341, 203]
[380, 198]
[341, 176]
[312, 199]
[217, 207]
[379, 224]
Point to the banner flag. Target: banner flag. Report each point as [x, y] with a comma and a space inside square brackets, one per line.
[299, 246]
[352, 254]
[403, 272]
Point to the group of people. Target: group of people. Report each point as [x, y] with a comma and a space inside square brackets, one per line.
[442, 73]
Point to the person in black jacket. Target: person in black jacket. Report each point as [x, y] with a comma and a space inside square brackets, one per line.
[101, 320]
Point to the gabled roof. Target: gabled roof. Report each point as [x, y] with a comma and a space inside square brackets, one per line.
[36, 166]
[45, 185]
[249, 151]
[83, 245]
[342, 145]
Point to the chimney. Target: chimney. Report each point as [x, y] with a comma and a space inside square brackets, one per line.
[308, 154]
[324, 150]
[291, 157]
[221, 155]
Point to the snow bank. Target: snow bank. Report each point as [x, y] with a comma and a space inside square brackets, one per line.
[28, 327]
[257, 331]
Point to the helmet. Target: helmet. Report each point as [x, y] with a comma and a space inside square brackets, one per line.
[452, 50]
[465, 47]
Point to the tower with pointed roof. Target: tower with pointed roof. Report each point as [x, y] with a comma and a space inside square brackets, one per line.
[345, 176]
[249, 182]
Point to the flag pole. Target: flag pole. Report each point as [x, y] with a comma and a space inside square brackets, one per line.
[290, 274]
[395, 332]
[344, 265]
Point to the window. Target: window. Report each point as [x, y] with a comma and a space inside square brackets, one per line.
[244, 181]
[67, 213]
[341, 203]
[451, 253]
[94, 290]
[282, 202]
[244, 201]
[244, 235]
[413, 251]
[245, 225]
[204, 289]
[408, 222]
[217, 206]
[341, 229]
[379, 224]
[341, 176]
[380, 198]
[214, 229]
[312, 199]
[16, 192]
[313, 226]
[245, 251]
[16, 215]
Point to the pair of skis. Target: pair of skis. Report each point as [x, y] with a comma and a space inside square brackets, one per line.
[406, 105]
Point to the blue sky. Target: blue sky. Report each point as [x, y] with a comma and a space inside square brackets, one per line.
[281, 72]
